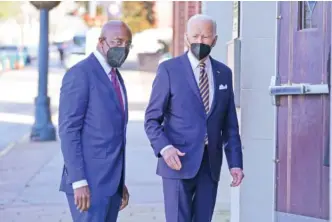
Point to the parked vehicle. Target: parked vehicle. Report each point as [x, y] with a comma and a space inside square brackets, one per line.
[18, 56]
[4, 62]
[152, 40]
[150, 47]
[76, 51]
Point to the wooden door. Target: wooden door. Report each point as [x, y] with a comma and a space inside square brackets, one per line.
[304, 43]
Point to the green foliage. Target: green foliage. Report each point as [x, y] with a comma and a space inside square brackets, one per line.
[100, 10]
[9, 9]
[139, 15]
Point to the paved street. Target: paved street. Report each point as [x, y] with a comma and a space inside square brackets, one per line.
[30, 172]
[17, 92]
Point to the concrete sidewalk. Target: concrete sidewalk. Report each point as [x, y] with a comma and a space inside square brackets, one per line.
[30, 175]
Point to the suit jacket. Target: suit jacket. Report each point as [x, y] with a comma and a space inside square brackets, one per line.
[92, 129]
[175, 115]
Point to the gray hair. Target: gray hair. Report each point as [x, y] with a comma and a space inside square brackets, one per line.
[202, 17]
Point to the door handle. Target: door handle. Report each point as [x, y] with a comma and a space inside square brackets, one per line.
[276, 89]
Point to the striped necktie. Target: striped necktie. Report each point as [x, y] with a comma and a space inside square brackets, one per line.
[204, 90]
[204, 86]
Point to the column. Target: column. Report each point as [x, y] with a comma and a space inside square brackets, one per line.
[258, 115]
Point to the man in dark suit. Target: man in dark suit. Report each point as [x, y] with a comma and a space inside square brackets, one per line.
[190, 119]
[93, 116]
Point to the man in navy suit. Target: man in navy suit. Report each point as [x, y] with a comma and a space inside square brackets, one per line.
[93, 116]
[190, 119]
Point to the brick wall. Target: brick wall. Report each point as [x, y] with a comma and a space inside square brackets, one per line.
[182, 11]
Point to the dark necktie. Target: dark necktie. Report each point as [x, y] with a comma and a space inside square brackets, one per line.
[116, 86]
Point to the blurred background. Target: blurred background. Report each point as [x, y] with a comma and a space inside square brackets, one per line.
[31, 73]
[265, 43]
[74, 27]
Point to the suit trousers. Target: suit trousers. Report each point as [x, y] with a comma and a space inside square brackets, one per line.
[191, 200]
[102, 209]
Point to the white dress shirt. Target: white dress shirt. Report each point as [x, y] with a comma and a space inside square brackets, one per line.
[107, 68]
[194, 62]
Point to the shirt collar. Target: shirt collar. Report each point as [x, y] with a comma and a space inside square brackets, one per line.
[195, 62]
[107, 68]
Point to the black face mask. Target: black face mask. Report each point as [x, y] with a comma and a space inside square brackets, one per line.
[116, 56]
[200, 50]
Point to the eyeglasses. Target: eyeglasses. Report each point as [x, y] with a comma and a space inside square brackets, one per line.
[118, 43]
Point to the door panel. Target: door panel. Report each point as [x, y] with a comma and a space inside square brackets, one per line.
[303, 121]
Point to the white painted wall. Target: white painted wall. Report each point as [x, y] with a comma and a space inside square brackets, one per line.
[258, 64]
[221, 11]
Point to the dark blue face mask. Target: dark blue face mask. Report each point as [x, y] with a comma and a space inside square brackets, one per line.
[116, 56]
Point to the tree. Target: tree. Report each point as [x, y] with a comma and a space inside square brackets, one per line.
[139, 15]
[9, 9]
[150, 15]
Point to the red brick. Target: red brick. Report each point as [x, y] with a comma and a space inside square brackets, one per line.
[182, 11]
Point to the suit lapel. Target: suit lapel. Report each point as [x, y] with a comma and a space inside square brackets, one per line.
[191, 78]
[125, 95]
[216, 74]
[103, 78]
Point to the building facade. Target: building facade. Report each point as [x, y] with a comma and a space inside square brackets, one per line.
[182, 11]
[280, 54]
[164, 14]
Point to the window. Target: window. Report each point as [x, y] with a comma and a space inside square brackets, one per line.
[306, 14]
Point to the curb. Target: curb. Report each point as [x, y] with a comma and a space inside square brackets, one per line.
[25, 137]
[11, 145]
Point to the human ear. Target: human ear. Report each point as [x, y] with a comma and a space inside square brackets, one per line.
[214, 41]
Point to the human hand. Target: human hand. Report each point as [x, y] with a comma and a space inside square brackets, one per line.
[237, 175]
[82, 198]
[171, 157]
[125, 198]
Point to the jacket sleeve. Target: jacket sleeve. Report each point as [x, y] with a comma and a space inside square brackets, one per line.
[230, 132]
[155, 112]
[74, 96]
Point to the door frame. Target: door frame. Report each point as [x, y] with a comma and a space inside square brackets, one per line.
[330, 179]
[275, 135]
